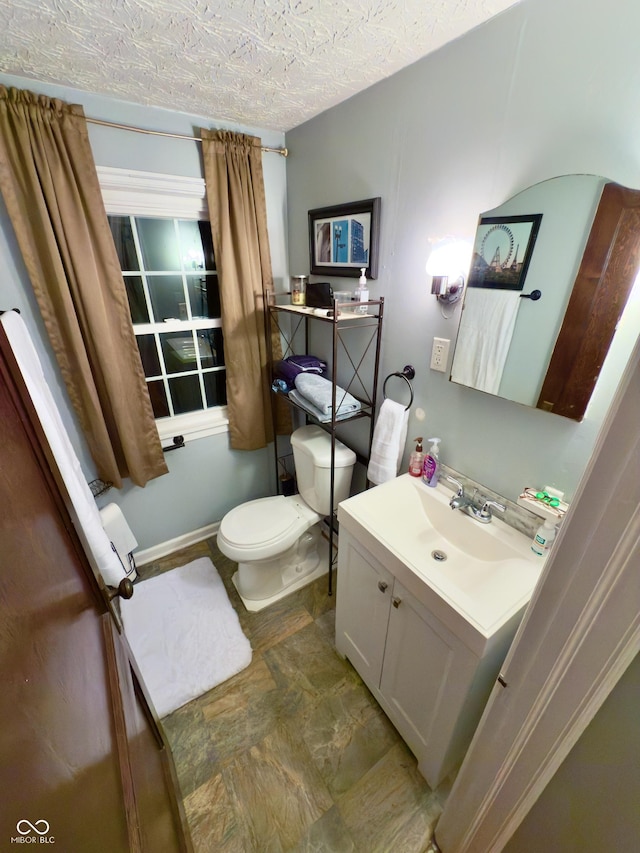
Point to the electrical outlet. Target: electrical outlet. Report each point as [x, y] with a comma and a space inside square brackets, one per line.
[440, 354]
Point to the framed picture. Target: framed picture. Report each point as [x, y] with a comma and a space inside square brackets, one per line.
[344, 238]
[502, 251]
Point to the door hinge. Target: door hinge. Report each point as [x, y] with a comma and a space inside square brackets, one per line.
[501, 680]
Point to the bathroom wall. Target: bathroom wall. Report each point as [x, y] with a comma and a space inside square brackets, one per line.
[541, 90]
[205, 478]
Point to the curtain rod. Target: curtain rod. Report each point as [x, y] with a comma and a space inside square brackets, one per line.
[284, 152]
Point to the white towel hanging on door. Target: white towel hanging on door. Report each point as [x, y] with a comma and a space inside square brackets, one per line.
[87, 521]
[387, 447]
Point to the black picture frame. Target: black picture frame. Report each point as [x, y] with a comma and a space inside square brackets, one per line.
[502, 251]
[344, 238]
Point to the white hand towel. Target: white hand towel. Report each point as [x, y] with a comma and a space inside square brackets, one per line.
[90, 528]
[486, 329]
[387, 447]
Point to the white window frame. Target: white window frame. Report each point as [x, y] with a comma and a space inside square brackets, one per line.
[128, 192]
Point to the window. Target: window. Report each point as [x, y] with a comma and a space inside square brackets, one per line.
[169, 272]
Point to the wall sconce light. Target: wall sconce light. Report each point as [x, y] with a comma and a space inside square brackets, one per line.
[448, 265]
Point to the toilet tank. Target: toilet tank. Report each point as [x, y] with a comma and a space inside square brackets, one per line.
[312, 458]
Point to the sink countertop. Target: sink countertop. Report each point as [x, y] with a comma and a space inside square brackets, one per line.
[490, 571]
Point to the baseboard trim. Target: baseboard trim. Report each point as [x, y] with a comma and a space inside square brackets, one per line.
[156, 552]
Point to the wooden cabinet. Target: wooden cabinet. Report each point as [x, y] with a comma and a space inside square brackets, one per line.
[430, 685]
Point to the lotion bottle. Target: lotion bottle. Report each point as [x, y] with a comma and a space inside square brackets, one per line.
[431, 467]
[416, 460]
[362, 291]
[544, 537]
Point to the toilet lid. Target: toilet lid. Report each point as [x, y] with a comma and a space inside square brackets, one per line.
[259, 522]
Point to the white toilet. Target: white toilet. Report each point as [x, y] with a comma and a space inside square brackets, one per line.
[276, 541]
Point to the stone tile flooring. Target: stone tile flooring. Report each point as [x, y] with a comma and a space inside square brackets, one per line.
[293, 753]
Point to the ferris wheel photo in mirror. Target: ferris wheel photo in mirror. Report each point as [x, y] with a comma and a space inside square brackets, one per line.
[502, 251]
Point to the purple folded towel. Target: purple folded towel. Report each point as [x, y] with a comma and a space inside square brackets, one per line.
[287, 369]
[307, 363]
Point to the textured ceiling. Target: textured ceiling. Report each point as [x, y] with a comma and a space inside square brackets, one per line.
[263, 63]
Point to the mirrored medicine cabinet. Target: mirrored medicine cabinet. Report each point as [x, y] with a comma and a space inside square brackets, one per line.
[547, 352]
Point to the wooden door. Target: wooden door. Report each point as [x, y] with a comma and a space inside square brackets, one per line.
[83, 763]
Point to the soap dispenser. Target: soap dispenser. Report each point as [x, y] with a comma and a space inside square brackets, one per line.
[362, 291]
[431, 466]
[416, 459]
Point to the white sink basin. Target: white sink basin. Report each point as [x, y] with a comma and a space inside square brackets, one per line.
[480, 541]
[486, 573]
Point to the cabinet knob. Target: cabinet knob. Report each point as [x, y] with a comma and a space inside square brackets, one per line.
[396, 602]
[382, 586]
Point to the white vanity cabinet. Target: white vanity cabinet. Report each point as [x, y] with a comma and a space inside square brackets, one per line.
[428, 638]
[418, 671]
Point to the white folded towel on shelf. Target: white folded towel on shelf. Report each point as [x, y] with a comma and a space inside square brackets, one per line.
[318, 414]
[387, 447]
[318, 391]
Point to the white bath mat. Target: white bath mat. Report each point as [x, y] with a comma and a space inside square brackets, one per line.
[184, 634]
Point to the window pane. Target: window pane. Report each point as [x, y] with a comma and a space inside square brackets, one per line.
[137, 302]
[215, 386]
[123, 239]
[204, 295]
[158, 244]
[149, 355]
[158, 399]
[211, 348]
[179, 351]
[196, 245]
[191, 250]
[167, 297]
[185, 394]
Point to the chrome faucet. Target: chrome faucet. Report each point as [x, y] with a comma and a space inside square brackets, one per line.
[460, 500]
[480, 510]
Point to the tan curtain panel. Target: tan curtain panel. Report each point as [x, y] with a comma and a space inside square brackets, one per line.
[238, 214]
[51, 189]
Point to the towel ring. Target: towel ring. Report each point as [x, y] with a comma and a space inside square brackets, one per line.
[407, 374]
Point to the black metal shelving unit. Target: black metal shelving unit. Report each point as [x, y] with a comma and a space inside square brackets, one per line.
[361, 371]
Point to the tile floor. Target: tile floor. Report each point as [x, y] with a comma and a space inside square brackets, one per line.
[293, 753]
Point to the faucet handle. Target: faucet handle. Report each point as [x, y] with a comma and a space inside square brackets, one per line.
[485, 507]
[459, 485]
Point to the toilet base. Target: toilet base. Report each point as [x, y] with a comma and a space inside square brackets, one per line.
[292, 580]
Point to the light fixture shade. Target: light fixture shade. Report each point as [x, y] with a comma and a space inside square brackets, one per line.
[451, 258]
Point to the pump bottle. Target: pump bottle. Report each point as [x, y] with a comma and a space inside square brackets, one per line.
[362, 291]
[431, 466]
[416, 459]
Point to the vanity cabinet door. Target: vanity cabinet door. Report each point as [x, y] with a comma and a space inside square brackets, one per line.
[362, 609]
[416, 665]
[425, 677]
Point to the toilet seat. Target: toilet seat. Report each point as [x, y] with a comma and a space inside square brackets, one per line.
[264, 527]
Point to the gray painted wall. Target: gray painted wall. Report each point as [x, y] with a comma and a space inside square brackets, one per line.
[539, 91]
[205, 478]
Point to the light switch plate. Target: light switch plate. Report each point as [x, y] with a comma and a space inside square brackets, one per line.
[440, 354]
